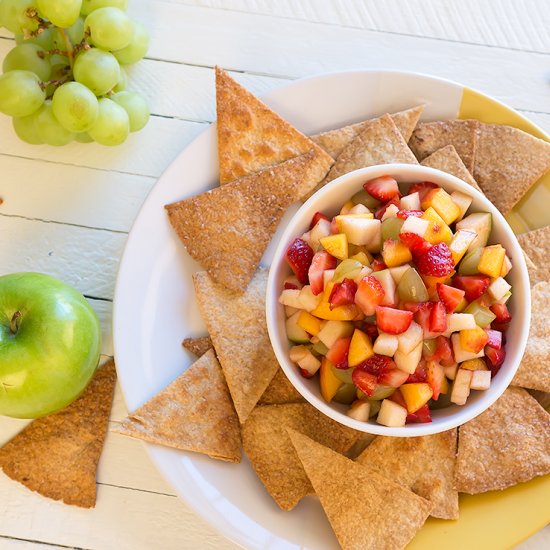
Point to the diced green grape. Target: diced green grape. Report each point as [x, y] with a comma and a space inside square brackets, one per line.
[345, 394]
[429, 347]
[319, 348]
[20, 93]
[137, 48]
[45, 39]
[381, 392]
[97, 70]
[362, 197]
[75, 107]
[110, 28]
[112, 125]
[49, 129]
[135, 106]
[468, 265]
[62, 13]
[347, 269]
[482, 314]
[14, 15]
[75, 34]
[411, 287]
[391, 227]
[28, 57]
[342, 374]
[88, 6]
[84, 137]
[122, 81]
[25, 128]
[374, 407]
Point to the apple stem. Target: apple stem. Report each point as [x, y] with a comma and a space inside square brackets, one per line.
[14, 323]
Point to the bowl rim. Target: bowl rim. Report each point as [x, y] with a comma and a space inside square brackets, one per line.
[521, 299]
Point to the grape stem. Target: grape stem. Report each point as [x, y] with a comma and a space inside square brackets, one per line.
[55, 83]
[69, 46]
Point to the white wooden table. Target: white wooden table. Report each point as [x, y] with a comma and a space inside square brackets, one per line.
[67, 211]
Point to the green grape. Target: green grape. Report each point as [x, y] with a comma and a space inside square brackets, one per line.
[97, 70]
[48, 127]
[75, 107]
[84, 137]
[28, 57]
[110, 28]
[45, 38]
[76, 31]
[122, 81]
[112, 125]
[14, 15]
[20, 93]
[62, 13]
[25, 128]
[135, 106]
[88, 6]
[137, 48]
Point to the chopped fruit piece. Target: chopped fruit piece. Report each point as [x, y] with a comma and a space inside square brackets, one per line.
[474, 364]
[393, 321]
[307, 299]
[382, 391]
[360, 348]
[377, 365]
[379, 214]
[391, 414]
[444, 351]
[359, 410]
[309, 365]
[347, 207]
[390, 212]
[495, 338]
[316, 217]
[422, 188]
[422, 314]
[461, 387]
[322, 228]
[328, 382]
[506, 266]
[501, 312]
[371, 329]
[362, 197]
[306, 237]
[473, 285]
[460, 354]
[333, 330]
[410, 339]
[360, 229]
[410, 202]
[498, 288]
[328, 276]
[361, 257]
[336, 245]
[410, 361]
[419, 375]
[442, 203]
[292, 283]
[321, 261]
[404, 214]
[482, 315]
[492, 260]
[318, 347]
[290, 311]
[383, 188]
[309, 323]
[338, 353]
[438, 231]
[398, 272]
[481, 380]
[386, 344]
[297, 352]
[431, 282]
[450, 296]
[393, 378]
[294, 332]
[298, 256]
[450, 372]
[459, 244]
[386, 280]
[360, 209]
[415, 225]
[421, 416]
[481, 224]
[435, 375]
[494, 359]
[473, 340]
[437, 261]
[463, 202]
[438, 318]
[415, 243]
[416, 395]
[468, 266]
[460, 321]
[340, 313]
[395, 253]
[343, 293]
[347, 269]
[378, 265]
[290, 297]
[364, 381]
[370, 294]
[390, 228]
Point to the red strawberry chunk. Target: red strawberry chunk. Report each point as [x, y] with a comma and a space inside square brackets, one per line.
[495, 338]
[397, 397]
[394, 378]
[377, 365]
[501, 327]
[334, 229]
[382, 209]
[419, 375]
[383, 188]
[321, 261]
[494, 359]
[404, 214]
[436, 261]
[412, 306]
[422, 188]
[365, 381]
[416, 244]
[343, 293]
[444, 351]
[438, 318]
[378, 265]
[299, 256]
[421, 416]
[393, 321]
[338, 353]
[316, 217]
[371, 329]
[422, 315]
[290, 286]
[501, 312]
[369, 295]
[450, 296]
[305, 373]
[473, 285]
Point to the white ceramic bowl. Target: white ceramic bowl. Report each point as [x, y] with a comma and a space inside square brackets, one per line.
[329, 200]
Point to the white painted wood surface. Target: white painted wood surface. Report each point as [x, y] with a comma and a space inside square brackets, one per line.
[67, 210]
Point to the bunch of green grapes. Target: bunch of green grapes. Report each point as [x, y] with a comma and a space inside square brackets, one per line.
[63, 81]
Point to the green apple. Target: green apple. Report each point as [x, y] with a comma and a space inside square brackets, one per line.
[50, 341]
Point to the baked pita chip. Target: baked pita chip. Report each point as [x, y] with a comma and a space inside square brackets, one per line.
[237, 326]
[428, 137]
[542, 397]
[534, 370]
[252, 137]
[507, 444]
[193, 413]
[227, 229]
[280, 391]
[335, 141]
[508, 162]
[365, 509]
[447, 160]
[57, 455]
[425, 465]
[266, 442]
[536, 244]
[198, 346]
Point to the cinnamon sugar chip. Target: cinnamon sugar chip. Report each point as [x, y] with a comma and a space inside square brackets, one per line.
[366, 510]
[536, 244]
[507, 444]
[280, 391]
[425, 465]
[193, 413]
[268, 446]
[57, 455]
[198, 346]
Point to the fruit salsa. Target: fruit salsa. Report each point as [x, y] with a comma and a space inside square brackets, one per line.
[398, 302]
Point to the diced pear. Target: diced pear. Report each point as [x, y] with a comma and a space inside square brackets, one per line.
[398, 272]
[438, 231]
[336, 245]
[290, 311]
[388, 284]
[481, 224]
[360, 348]
[416, 395]
[297, 352]
[328, 382]
[307, 299]
[311, 324]
[498, 288]
[328, 274]
[359, 230]
[362, 274]
[386, 344]
[410, 202]
[463, 202]
[360, 209]
[450, 371]
[410, 339]
[461, 387]
[492, 260]
[460, 354]
[481, 380]
[391, 414]
[408, 362]
[359, 410]
[460, 243]
[291, 297]
[334, 330]
[391, 212]
[294, 332]
[306, 237]
[309, 364]
[321, 229]
[460, 321]
[415, 225]
[506, 266]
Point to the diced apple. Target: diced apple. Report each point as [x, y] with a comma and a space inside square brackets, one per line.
[506, 266]
[391, 414]
[359, 230]
[311, 324]
[391, 212]
[294, 332]
[306, 237]
[336, 245]
[398, 272]
[297, 352]
[504, 299]
[334, 330]
[362, 274]
[479, 223]
[386, 344]
[415, 225]
[463, 202]
[360, 348]
[408, 362]
[307, 299]
[460, 321]
[498, 288]
[321, 229]
[328, 382]
[328, 274]
[410, 202]
[460, 354]
[481, 380]
[461, 387]
[388, 284]
[410, 339]
[360, 209]
[359, 410]
[290, 311]
[450, 372]
[309, 364]
[460, 243]
[291, 297]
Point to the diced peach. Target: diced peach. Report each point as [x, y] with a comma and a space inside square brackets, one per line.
[360, 348]
[361, 257]
[431, 281]
[474, 364]
[442, 203]
[395, 253]
[416, 395]
[438, 231]
[347, 207]
[328, 381]
[492, 259]
[435, 376]
[336, 245]
[309, 323]
[473, 339]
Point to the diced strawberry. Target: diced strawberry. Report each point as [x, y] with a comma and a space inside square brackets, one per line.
[334, 229]
[416, 244]
[382, 209]
[377, 365]
[501, 312]
[444, 351]
[422, 188]
[394, 378]
[494, 359]
[421, 416]
[450, 296]
[501, 327]
[338, 353]
[495, 338]
[473, 285]
[419, 375]
[423, 314]
[438, 318]
[393, 321]
[321, 261]
[397, 397]
[404, 214]
[299, 256]
[378, 265]
[343, 293]
[365, 381]
[412, 306]
[316, 217]
[383, 188]
[370, 329]
[290, 286]
[305, 373]
[370, 294]
[436, 261]
[434, 376]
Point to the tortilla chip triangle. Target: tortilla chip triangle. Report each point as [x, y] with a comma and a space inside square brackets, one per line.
[534, 370]
[268, 447]
[228, 228]
[536, 244]
[425, 465]
[507, 444]
[57, 455]
[365, 509]
[193, 413]
[279, 391]
[508, 162]
[335, 141]
[252, 137]
[237, 326]
[198, 346]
